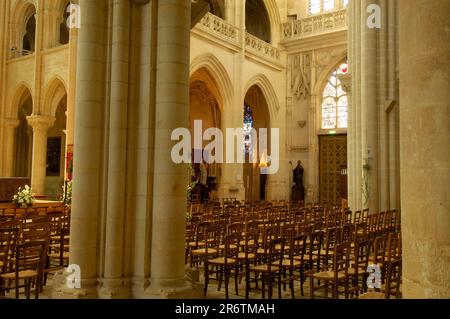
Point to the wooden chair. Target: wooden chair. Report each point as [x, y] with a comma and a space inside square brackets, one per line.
[361, 232]
[211, 243]
[292, 267]
[372, 224]
[311, 260]
[331, 239]
[358, 267]
[392, 283]
[269, 233]
[347, 234]
[197, 241]
[224, 265]
[365, 215]
[36, 229]
[270, 271]
[27, 267]
[347, 216]
[393, 250]
[335, 276]
[8, 240]
[58, 252]
[357, 217]
[249, 248]
[380, 223]
[378, 255]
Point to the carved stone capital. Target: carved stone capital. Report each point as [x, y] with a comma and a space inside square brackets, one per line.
[40, 122]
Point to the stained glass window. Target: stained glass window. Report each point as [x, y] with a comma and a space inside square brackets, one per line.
[248, 126]
[335, 101]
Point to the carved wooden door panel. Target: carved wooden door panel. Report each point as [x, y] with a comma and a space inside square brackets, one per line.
[332, 155]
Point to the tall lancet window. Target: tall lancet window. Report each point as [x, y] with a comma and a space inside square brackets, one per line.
[335, 101]
[248, 126]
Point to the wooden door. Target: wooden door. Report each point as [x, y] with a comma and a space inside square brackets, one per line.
[332, 156]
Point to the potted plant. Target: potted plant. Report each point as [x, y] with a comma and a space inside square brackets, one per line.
[67, 193]
[24, 197]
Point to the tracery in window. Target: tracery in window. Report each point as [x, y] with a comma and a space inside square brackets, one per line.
[335, 101]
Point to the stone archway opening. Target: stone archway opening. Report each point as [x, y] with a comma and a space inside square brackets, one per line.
[257, 21]
[24, 137]
[29, 38]
[205, 107]
[64, 31]
[56, 151]
[256, 116]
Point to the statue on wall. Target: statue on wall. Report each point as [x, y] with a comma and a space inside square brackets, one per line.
[298, 190]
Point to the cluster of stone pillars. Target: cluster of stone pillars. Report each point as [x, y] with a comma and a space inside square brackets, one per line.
[373, 133]
[99, 237]
[109, 232]
[400, 132]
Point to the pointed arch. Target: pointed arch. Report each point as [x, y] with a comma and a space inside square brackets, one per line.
[273, 11]
[21, 13]
[21, 93]
[55, 91]
[218, 72]
[267, 90]
[326, 73]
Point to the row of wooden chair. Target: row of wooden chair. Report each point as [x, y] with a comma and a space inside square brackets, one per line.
[274, 246]
[31, 247]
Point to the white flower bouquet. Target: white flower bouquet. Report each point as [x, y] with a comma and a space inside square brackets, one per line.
[24, 197]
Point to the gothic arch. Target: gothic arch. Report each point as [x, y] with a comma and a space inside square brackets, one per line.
[21, 13]
[218, 73]
[274, 13]
[274, 19]
[323, 77]
[268, 91]
[60, 31]
[54, 93]
[22, 92]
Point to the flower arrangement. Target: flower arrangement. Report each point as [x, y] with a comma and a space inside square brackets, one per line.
[24, 197]
[67, 193]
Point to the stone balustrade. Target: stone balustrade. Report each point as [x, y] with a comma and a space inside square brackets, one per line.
[219, 27]
[336, 20]
[261, 48]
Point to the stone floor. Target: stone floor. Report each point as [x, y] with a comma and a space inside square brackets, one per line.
[213, 292]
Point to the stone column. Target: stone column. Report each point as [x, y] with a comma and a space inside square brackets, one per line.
[117, 151]
[355, 127]
[40, 125]
[233, 175]
[9, 140]
[312, 174]
[369, 109]
[170, 179]
[88, 154]
[424, 147]
[71, 91]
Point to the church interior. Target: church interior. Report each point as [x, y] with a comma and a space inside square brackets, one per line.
[315, 163]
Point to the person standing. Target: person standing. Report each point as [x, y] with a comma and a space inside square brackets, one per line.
[204, 182]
